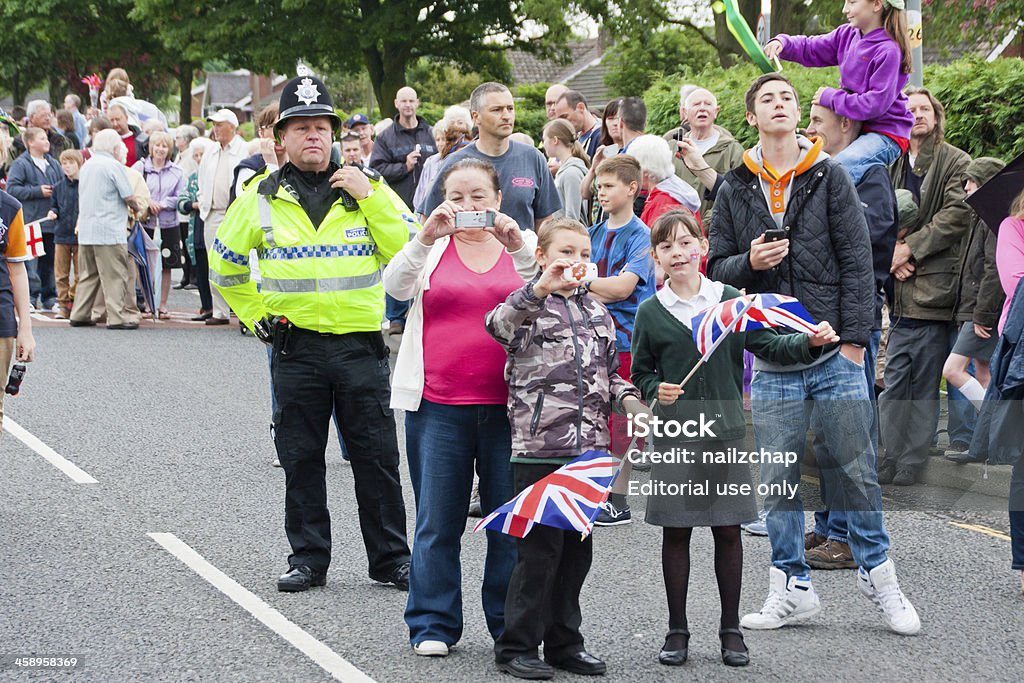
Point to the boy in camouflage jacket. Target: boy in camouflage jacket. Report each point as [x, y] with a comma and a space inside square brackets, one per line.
[562, 386]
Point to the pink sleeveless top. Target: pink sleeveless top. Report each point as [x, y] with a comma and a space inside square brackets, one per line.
[462, 364]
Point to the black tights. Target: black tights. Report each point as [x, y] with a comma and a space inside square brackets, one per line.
[675, 566]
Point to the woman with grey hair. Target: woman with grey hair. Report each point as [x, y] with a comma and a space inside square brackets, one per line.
[665, 190]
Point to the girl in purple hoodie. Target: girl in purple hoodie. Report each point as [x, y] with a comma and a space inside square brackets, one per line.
[873, 55]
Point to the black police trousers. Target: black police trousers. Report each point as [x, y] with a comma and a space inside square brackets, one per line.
[315, 375]
[543, 600]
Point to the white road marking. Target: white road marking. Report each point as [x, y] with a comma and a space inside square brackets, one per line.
[77, 475]
[330, 661]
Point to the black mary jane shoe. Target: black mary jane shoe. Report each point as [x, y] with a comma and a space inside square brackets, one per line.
[734, 657]
[675, 657]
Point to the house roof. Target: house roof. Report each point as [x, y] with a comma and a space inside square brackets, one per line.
[226, 89]
[583, 72]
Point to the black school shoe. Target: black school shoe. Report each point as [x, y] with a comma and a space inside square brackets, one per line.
[300, 578]
[582, 663]
[528, 667]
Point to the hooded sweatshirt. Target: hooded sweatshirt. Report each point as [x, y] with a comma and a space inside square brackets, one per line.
[871, 79]
[775, 186]
[568, 180]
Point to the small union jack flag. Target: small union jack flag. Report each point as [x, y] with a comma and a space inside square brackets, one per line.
[569, 498]
[745, 313]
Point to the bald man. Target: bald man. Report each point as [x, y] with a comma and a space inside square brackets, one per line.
[398, 154]
[551, 97]
[399, 151]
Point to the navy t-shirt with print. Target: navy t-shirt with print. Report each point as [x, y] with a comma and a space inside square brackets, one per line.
[528, 191]
[625, 249]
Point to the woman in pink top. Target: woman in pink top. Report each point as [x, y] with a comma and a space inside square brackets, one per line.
[450, 380]
[1010, 253]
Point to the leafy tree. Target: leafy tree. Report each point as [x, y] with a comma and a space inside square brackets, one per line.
[383, 36]
[59, 41]
[632, 65]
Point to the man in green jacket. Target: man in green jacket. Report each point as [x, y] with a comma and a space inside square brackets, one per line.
[720, 150]
[924, 268]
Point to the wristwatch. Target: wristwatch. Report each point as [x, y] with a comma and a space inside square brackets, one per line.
[368, 195]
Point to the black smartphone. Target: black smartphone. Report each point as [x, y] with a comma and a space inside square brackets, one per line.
[774, 235]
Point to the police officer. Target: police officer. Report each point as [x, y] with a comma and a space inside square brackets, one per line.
[322, 232]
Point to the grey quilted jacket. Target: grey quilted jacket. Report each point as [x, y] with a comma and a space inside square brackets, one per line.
[829, 267]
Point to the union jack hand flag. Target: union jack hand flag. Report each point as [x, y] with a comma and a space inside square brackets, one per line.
[745, 313]
[569, 498]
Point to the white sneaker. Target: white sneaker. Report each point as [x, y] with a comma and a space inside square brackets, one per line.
[787, 601]
[881, 587]
[758, 527]
[430, 648]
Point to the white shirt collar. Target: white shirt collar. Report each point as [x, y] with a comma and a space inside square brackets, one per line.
[683, 310]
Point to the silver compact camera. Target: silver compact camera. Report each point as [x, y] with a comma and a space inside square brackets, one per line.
[475, 219]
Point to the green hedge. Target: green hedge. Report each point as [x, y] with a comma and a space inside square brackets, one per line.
[984, 101]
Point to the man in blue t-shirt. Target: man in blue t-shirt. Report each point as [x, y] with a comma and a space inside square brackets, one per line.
[620, 245]
[528, 193]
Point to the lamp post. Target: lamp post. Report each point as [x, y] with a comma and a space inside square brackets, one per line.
[914, 27]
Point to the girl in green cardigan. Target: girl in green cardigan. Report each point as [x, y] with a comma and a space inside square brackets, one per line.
[700, 480]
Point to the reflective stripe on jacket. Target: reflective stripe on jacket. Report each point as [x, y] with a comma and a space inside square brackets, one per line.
[325, 280]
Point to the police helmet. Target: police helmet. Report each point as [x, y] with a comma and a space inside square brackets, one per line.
[306, 95]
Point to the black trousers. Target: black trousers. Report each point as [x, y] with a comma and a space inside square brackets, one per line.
[543, 600]
[315, 375]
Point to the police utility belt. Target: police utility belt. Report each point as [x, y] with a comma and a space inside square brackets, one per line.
[279, 333]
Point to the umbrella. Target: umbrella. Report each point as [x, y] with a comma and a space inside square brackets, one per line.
[992, 200]
[147, 259]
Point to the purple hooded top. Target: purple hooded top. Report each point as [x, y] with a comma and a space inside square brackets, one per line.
[870, 78]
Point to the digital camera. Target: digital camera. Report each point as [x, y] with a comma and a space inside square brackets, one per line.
[474, 219]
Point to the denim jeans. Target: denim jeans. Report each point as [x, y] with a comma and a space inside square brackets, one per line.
[866, 151]
[395, 310]
[444, 444]
[832, 523]
[832, 398]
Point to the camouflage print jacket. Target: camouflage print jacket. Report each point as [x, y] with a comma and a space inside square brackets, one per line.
[561, 374]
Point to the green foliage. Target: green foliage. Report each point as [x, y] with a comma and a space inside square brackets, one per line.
[431, 112]
[632, 65]
[531, 95]
[983, 103]
[442, 82]
[247, 130]
[530, 120]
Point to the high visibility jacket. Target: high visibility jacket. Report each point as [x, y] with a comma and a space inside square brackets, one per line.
[326, 279]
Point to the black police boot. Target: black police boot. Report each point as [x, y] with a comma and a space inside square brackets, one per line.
[399, 577]
[529, 667]
[300, 578]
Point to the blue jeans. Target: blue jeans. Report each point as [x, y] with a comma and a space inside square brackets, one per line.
[395, 310]
[273, 406]
[832, 398]
[869, 149]
[832, 523]
[443, 444]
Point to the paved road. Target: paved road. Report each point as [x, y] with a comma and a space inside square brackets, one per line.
[171, 421]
